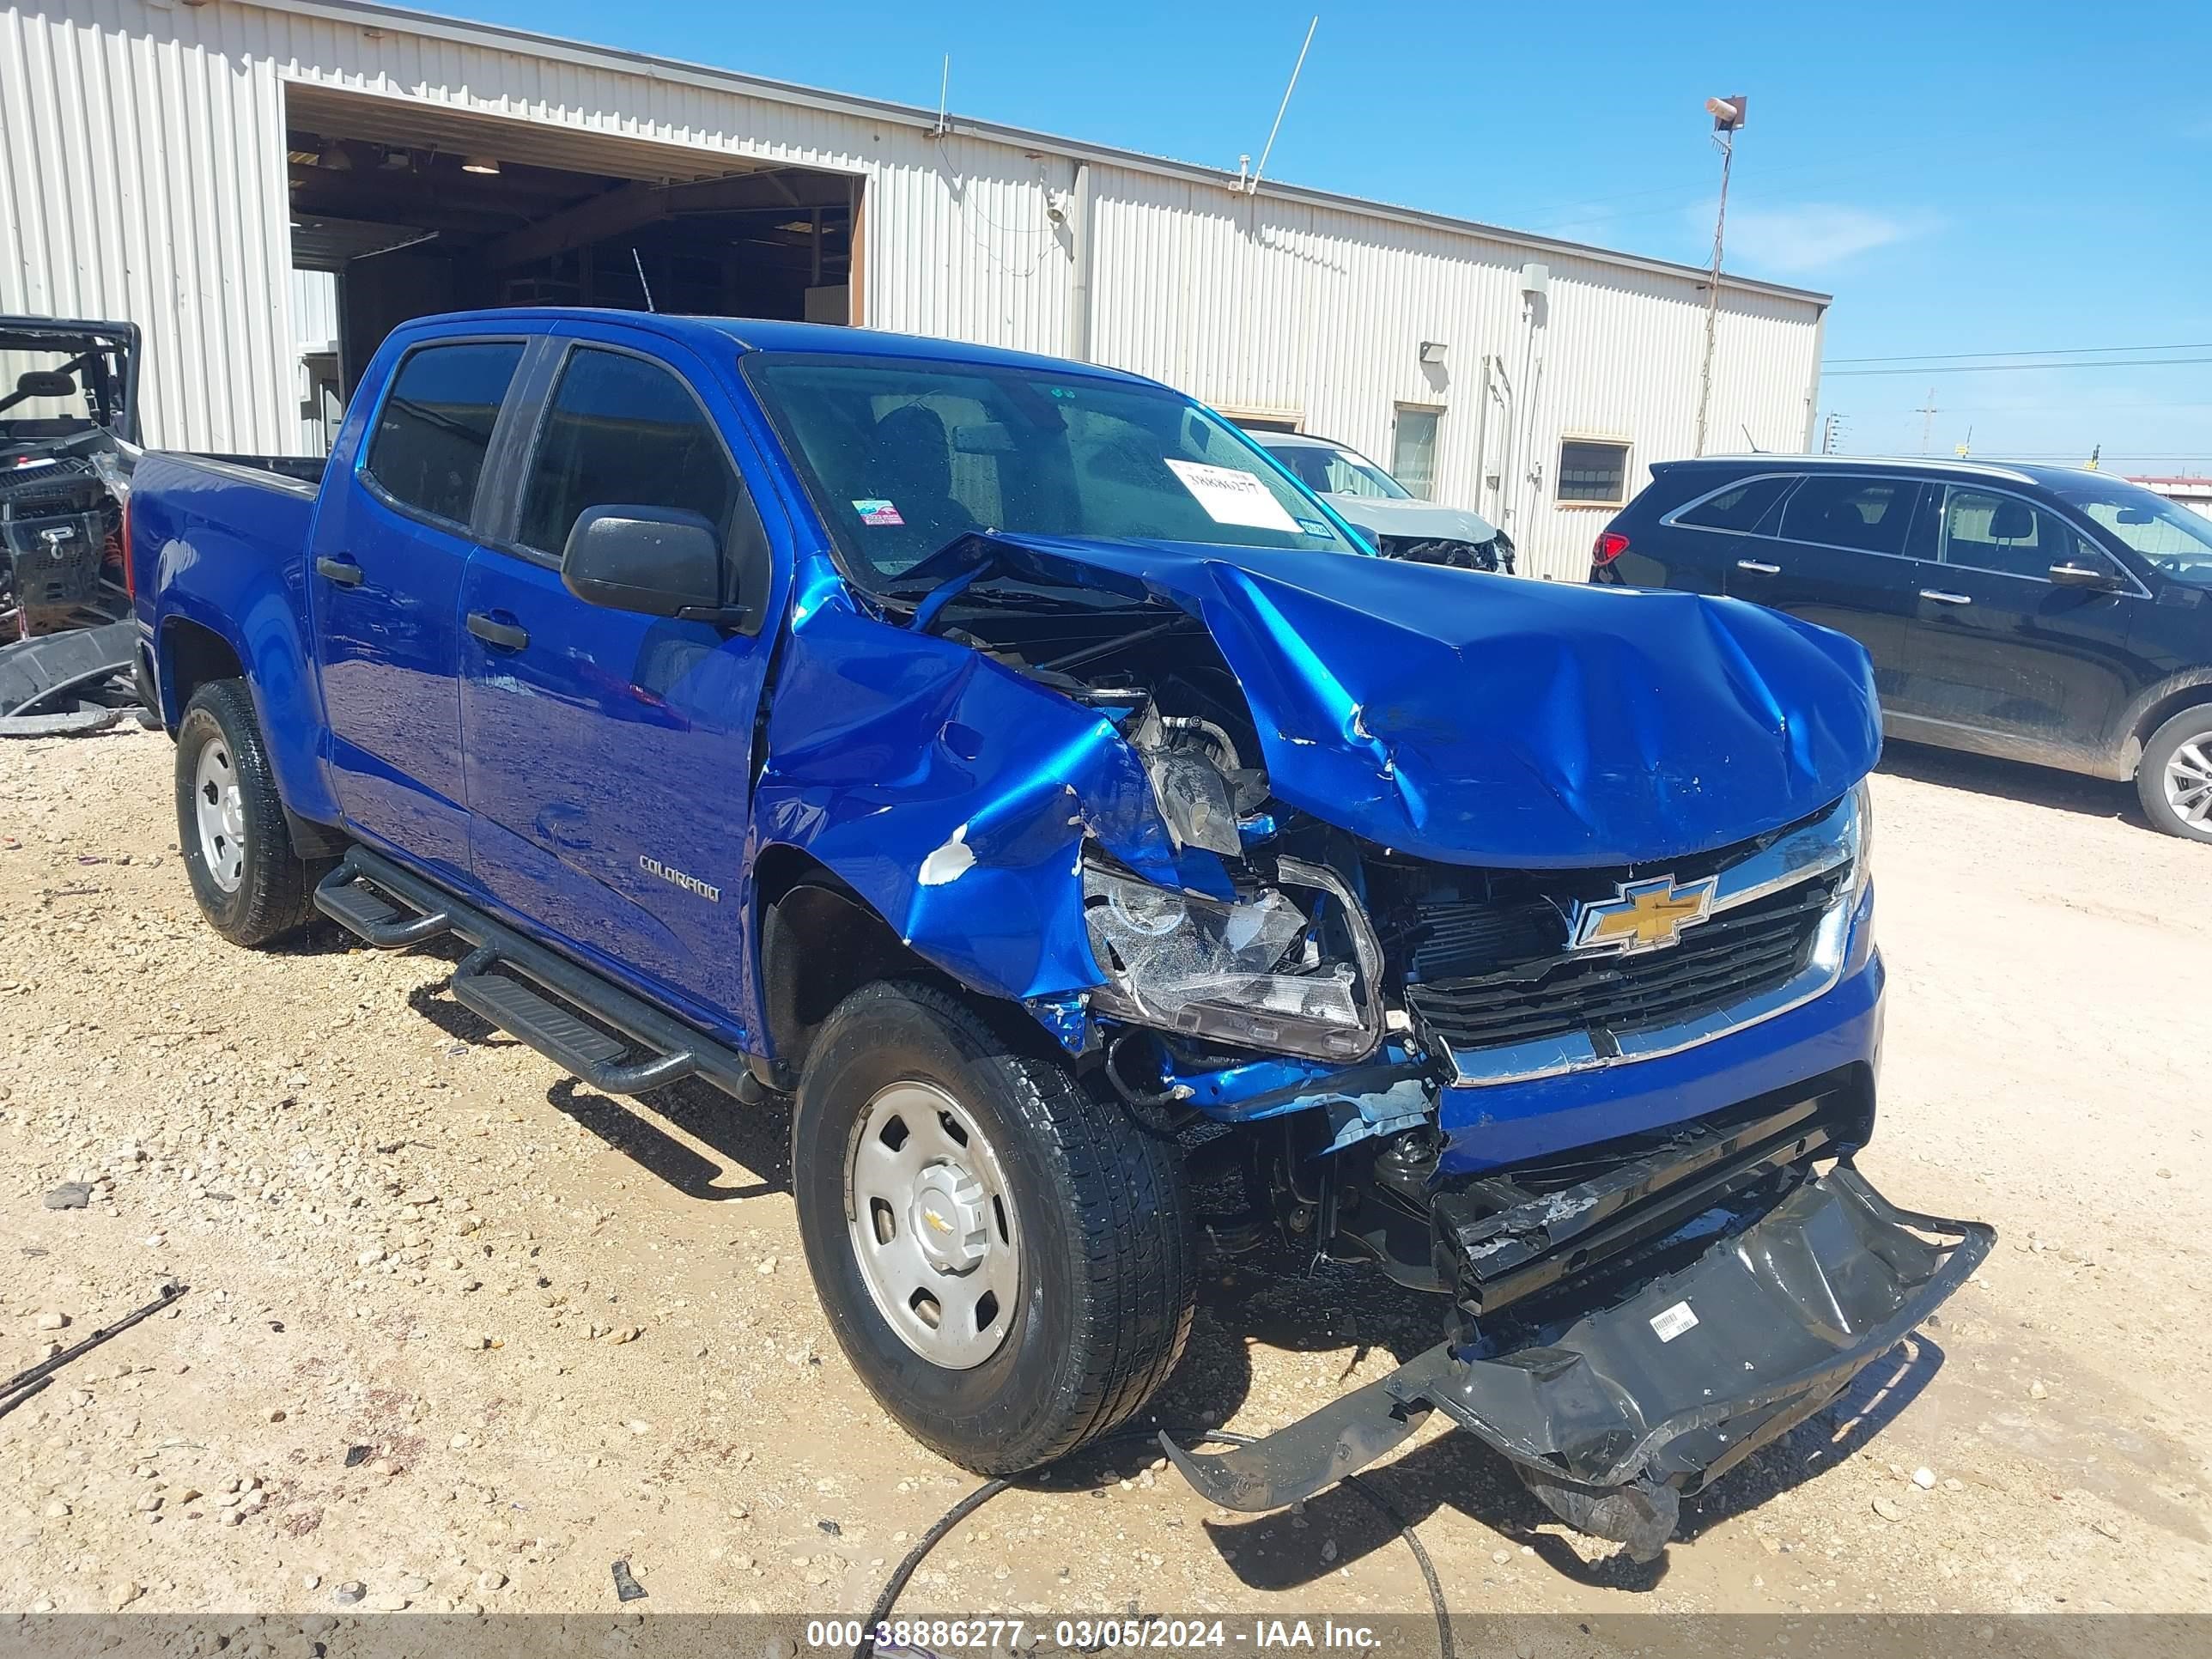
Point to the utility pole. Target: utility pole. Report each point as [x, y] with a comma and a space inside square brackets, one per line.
[1727, 121]
[1928, 413]
[1832, 433]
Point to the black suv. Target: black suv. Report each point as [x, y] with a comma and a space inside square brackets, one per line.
[2039, 613]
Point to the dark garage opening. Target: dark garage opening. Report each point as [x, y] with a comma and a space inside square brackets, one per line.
[418, 212]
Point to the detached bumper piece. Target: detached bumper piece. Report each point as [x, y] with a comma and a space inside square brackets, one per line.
[1612, 1417]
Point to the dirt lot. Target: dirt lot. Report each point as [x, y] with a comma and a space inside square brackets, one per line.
[568, 1330]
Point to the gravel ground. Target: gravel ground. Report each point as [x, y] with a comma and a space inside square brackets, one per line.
[461, 1332]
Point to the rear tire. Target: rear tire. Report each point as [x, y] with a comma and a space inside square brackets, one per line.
[2175, 776]
[1056, 1195]
[251, 885]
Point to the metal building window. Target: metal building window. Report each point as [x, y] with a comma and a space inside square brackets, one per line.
[1414, 449]
[1592, 472]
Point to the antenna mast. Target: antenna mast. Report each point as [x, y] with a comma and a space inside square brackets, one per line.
[1253, 188]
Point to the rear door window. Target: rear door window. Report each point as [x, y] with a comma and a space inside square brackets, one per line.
[1744, 506]
[1869, 514]
[428, 451]
[1989, 530]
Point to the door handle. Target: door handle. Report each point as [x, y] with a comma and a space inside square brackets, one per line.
[1940, 598]
[1759, 568]
[345, 572]
[492, 631]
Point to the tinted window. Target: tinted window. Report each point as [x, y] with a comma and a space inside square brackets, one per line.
[1740, 507]
[623, 431]
[2171, 536]
[1868, 513]
[431, 435]
[1984, 530]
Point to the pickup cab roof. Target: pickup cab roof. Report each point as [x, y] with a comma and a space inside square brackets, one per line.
[766, 334]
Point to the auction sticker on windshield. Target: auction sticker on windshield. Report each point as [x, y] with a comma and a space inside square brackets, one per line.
[875, 511]
[1232, 498]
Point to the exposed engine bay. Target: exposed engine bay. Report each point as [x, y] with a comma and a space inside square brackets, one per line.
[68, 413]
[1495, 555]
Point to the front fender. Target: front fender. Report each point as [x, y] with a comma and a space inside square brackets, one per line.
[954, 797]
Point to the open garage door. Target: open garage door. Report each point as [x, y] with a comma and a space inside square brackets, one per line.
[418, 209]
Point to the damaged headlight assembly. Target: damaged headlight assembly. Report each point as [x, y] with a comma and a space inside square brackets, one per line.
[1862, 851]
[1297, 976]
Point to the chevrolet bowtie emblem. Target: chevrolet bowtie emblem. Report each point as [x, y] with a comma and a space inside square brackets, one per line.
[936, 1220]
[1646, 915]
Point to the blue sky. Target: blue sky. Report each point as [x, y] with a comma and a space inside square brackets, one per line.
[1963, 177]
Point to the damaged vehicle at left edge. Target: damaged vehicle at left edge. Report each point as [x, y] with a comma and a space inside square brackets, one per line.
[1005, 760]
[68, 413]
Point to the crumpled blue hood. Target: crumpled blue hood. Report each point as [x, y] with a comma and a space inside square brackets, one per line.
[1496, 720]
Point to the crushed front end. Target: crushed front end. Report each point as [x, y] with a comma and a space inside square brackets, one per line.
[1609, 1120]
[1517, 942]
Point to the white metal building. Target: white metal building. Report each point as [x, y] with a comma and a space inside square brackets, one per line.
[191, 164]
[2194, 493]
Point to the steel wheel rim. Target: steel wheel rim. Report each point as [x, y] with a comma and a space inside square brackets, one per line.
[2188, 781]
[219, 811]
[931, 1223]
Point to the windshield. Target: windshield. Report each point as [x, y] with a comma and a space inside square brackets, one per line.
[902, 457]
[1335, 471]
[2171, 536]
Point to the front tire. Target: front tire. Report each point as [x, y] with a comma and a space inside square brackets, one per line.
[251, 886]
[1007, 1258]
[2175, 776]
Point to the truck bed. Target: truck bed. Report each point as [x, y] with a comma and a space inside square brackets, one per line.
[239, 525]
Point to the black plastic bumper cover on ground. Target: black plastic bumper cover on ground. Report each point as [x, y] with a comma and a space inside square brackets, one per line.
[1634, 1406]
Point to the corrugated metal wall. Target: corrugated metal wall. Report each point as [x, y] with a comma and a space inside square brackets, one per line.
[1277, 308]
[141, 176]
[142, 160]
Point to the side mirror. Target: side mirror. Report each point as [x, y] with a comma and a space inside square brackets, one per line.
[2084, 576]
[45, 383]
[657, 561]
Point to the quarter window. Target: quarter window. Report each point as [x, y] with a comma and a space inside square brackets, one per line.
[428, 451]
[1984, 530]
[1413, 450]
[1870, 514]
[1738, 507]
[1592, 472]
[623, 431]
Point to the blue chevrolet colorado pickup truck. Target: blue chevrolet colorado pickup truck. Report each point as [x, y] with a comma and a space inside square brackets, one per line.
[1005, 762]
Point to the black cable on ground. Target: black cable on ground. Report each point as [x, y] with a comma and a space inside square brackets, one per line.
[983, 1494]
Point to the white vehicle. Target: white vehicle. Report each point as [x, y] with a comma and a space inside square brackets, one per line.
[1400, 523]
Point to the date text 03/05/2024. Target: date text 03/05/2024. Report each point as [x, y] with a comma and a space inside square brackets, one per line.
[938, 1636]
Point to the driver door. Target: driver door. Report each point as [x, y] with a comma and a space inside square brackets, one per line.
[610, 753]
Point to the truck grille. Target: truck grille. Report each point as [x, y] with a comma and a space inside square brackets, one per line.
[1735, 954]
